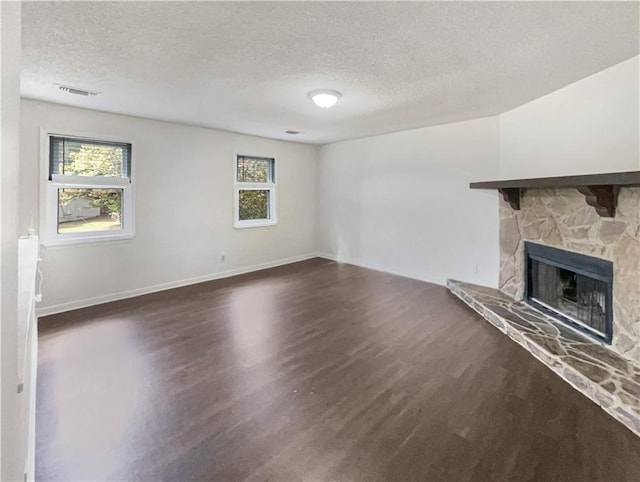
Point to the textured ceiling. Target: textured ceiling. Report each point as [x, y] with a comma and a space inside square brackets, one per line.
[248, 67]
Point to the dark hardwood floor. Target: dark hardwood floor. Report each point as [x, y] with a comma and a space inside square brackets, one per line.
[313, 371]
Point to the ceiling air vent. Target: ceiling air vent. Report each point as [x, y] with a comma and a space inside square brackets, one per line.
[76, 91]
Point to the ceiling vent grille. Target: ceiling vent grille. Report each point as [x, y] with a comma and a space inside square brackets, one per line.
[76, 91]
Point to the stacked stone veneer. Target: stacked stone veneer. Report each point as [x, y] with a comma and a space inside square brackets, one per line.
[561, 218]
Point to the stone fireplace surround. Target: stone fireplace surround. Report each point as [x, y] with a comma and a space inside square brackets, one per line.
[559, 217]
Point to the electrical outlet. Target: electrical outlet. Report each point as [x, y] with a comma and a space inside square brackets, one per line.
[222, 258]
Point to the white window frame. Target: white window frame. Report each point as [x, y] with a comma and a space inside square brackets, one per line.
[254, 186]
[49, 194]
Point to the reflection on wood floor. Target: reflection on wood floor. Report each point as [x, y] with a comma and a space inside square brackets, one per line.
[312, 371]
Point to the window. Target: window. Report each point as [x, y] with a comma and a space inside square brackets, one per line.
[87, 190]
[255, 192]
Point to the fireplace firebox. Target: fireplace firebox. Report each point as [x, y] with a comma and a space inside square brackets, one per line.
[574, 288]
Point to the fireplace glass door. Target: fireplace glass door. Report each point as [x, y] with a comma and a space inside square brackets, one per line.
[572, 288]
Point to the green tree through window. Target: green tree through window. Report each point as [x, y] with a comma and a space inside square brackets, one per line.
[94, 160]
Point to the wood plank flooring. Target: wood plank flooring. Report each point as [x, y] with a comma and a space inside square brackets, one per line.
[313, 371]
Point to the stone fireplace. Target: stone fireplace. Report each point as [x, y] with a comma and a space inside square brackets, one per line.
[560, 218]
[569, 284]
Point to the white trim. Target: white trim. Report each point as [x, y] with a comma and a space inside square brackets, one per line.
[87, 135]
[255, 223]
[28, 289]
[368, 265]
[84, 303]
[81, 181]
[256, 186]
[48, 192]
[30, 462]
[87, 238]
[331, 257]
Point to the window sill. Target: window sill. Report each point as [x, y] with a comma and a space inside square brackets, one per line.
[250, 225]
[59, 242]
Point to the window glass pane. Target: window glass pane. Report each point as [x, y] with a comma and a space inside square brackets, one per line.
[254, 204]
[77, 157]
[252, 169]
[81, 210]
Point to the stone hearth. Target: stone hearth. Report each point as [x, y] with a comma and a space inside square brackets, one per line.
[560, 218]
[607, 378]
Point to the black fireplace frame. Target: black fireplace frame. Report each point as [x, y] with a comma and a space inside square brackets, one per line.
[592, 267]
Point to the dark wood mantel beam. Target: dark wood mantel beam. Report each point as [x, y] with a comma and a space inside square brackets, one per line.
[631, 178]
[600, 190]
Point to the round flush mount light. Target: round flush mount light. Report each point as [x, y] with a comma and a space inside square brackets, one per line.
[325, 98]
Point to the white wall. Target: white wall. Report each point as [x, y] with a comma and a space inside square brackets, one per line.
[590, 126]
[183, 207]
[401, 202]
[398, 202]
[14, 405]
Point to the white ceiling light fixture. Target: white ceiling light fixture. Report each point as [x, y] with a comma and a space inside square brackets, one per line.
[325, 98]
